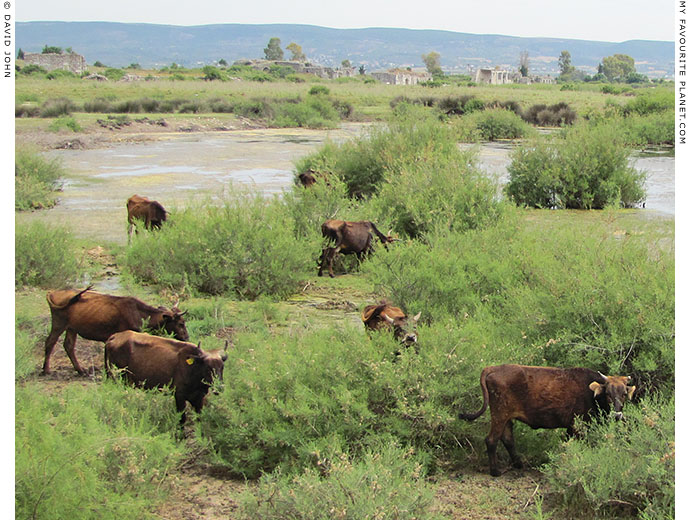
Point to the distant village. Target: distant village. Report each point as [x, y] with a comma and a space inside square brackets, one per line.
[76, 64]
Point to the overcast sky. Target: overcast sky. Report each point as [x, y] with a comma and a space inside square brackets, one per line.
[603, 20]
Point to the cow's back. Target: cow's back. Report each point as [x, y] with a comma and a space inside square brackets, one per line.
[96, 316]
[148, 360]
[543, 397]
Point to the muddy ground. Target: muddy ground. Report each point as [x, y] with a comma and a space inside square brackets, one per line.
[200, 490]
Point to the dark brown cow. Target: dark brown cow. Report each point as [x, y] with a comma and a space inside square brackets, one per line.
[96, 316]
[350, 238]
[544, 397]
[150, 211]
[309, 178]
[383, 315]
[154, 362]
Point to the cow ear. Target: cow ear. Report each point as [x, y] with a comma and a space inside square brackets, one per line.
[596, 388]
[631, 390]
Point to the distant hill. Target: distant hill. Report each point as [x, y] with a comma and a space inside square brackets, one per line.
[152, 46]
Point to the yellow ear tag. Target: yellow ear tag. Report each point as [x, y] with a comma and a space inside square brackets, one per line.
[190, 361]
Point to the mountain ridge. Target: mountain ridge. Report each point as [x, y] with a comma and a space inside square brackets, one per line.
[119, 44]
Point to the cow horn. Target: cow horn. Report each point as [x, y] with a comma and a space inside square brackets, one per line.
[180, 314]
[388, 318]
[226, 345]
[605, 377]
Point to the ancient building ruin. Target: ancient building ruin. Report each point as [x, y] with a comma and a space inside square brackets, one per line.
[301, 68]
[401, 77]
[72, 62]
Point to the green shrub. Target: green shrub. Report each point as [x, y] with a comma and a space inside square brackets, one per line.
[97, 452]
[588, 168]
[314, 112]
[442, 193]
[317, 90]
[128, 106]
[649, 102]
[386, 482]
[254, 108]
[57, 107]
[24, 346]
[244, 248]
[45, 256]
[621, 469]
[558, 114]
[35, 180]
[67, 122]
[597, 295]
[30, 70]
[100, 105]
[114, 74]
[492, 124]
[59, 74]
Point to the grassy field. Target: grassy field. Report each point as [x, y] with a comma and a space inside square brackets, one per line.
[319, 419]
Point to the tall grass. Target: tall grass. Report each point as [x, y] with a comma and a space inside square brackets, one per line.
[621, 470]
[245, 247]
[385, 482]
[100, 452]
[35, 180]
[45, 256]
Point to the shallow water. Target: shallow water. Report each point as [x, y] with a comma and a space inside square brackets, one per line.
[181, 169]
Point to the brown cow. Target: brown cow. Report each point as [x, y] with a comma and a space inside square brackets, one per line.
[96, 316]
[309, 178]
[349, 238]
[383, 315]
[154, 362]
[544, 397]
[150, 211]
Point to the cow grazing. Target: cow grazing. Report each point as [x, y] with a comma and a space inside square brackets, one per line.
[309, 178]
[382, 316]
[544, 397]
[151, 212]
[96, 316]
[349, 238]
[154, 362]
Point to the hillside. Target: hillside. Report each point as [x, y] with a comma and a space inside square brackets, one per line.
[151, 45]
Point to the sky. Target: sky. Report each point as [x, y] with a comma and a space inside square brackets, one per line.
[602, 20]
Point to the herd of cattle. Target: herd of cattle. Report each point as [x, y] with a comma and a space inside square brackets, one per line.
[541, 397]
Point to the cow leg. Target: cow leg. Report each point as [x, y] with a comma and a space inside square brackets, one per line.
[51, 340]
[130, 232]
[509, 442]
[180, 404]
[69, 344]
[322, 260]
[496, 433]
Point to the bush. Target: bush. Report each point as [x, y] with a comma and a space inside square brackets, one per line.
[586, 169]
[99, 452]
[317, 90]
[57, 107]
[386, 482]
[651, 102]
[314, 112]
[558, 114]
[442, 193]
[35, 180]
[597, 295]
[129, 106]
[620, 469]
[244, 248]
[67, 122]
[59, 74]
[114, 74]
[99, 105]
[45, 256]
[26, 110]
[492, 124]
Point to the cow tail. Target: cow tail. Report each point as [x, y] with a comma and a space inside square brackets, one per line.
[73, 299]
[383, 238]
[485, 395]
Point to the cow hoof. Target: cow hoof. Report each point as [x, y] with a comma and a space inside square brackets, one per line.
[494, 472]
[332, 275]
[517, 464]
[320, 273]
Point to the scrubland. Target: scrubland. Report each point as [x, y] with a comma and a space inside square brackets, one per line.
[321, 420]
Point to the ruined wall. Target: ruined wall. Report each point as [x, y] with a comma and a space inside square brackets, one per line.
[401, 77]
[72, 62]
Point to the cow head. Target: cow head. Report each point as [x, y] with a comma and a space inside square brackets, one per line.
[173, 323]
[404, 329]
[210, 366]
[617, 391]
